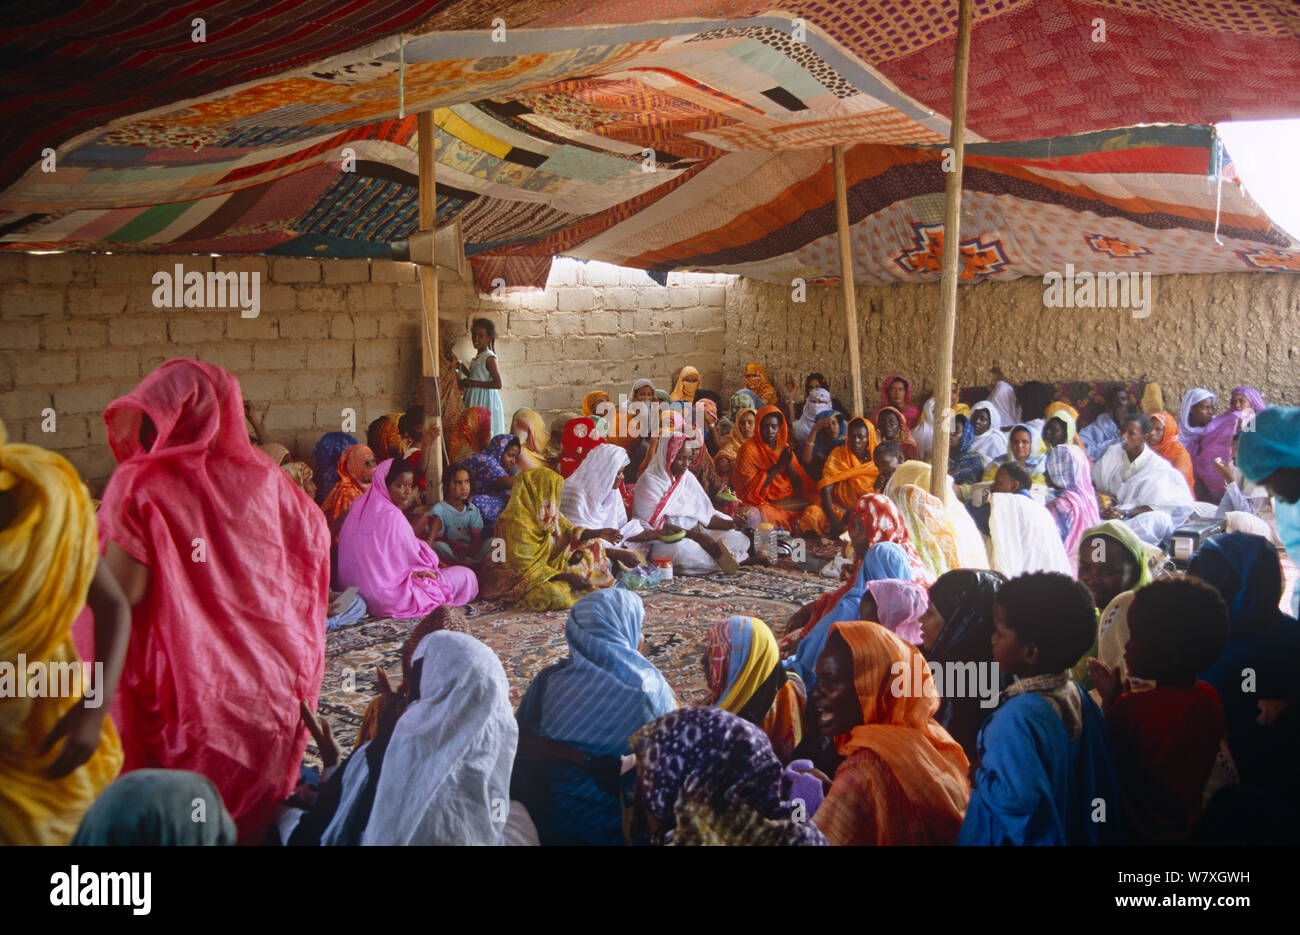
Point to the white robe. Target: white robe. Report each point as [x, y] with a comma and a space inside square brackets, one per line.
[1025, 537]
[689, 506]
[1150, 480]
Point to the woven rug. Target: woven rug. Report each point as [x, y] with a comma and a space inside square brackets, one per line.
[677, 621]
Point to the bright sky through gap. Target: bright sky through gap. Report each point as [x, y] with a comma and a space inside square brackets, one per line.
[1265, 153]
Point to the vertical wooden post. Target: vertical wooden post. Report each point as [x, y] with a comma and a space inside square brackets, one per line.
[846, 277]
[947, 330]
[429, 393]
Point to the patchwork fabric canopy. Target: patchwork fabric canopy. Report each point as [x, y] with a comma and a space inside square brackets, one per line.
[695, 143]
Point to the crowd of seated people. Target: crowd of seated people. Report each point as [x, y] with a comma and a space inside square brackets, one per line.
[1012, 662]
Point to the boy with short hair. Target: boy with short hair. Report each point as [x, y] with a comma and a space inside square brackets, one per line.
[1166, 740]
[1045, 774]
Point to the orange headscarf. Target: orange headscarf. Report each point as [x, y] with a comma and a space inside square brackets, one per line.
[471, 433]
[350, 485]
[756, 381]
[756, 459]
[1172, 450]
[593, 400]
[926, 799]
[680, 392]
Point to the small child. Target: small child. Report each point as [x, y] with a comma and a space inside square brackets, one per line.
[417, 441]
[1166, 739]
[481, 381]
[1009, 478]
[1045, 772]
[455, 526]
[888, 457]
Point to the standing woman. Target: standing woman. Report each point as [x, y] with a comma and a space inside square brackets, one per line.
[482, 381]
[51, 570]
[226, 567]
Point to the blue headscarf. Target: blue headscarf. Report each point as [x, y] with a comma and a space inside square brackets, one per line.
[965, 466]
[595, 700]
[157, 807]
[822, 446]
[881, 561]
[1272, 442]
[326, 454]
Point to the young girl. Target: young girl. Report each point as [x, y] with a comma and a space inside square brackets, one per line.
[482, 380]
[454, 527]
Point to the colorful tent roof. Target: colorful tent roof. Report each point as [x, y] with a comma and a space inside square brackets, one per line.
[697, 144]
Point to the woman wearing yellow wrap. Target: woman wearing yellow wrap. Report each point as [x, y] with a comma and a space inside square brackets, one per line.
[56, 753]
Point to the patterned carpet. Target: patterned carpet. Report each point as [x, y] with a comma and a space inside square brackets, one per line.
[678, 617]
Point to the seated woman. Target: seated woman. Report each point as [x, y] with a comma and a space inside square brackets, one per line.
[826, 436]
[742, 666]
[848, 474]
[208, 636]
[702, 465]
[669, 499]
[904, 777]
[1150, 495]
[885, 561]
[454, 526]
[492, 477]
[1113, 564]
[942, 531]
[384, 438]
[897, 606]
[1033, 397]
[594, 497]
[56, 753]
[706, 776]
[325, 456]
[896, 393]
[451, 752]
[1247, 399]
[756, 382]
[1059, 429]
[814, 407]
[1074, 502]
[549, 561]
[597, 404]
[957, 630]
[1208, 438]
[380, 555]
[706, 420]
[1025, 447]
[746, 420]
[768, 478]
[892, 426]
[684, 387]
[528, 426]
[874, 520]
[989, 442]
[555, 441]
[965, 465]
[356, 467]
[578, 437]
[156, 808]
[591, 703]
[1105, 429]
[1163, 440]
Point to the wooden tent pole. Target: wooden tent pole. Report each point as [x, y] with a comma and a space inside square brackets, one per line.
[429, 390]
[947, 330]
[846, 277]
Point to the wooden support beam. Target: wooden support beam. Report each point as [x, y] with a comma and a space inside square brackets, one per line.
[947, 328]
[846, 277]
[429, 390]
